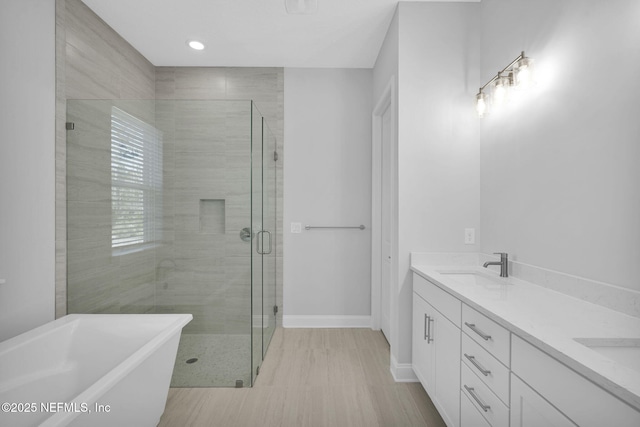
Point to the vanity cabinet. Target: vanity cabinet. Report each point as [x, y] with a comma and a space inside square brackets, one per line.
[489, 370]
[488, 334]
[487, 404]
[479, 373]
[552, 389]
[485, 357]
[436, 347]
[529, 409]
[423, 354]
[469, 415]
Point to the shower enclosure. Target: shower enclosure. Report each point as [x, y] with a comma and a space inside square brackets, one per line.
[171, 208]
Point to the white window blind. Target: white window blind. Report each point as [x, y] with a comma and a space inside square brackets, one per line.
[136, 180]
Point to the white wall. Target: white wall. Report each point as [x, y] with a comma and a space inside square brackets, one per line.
[327, 182]
[27, 176]
[438, 144]
[385, 89]
[386, 66]
[560, 175]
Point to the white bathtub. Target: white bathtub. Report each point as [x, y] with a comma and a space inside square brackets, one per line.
[90, 370]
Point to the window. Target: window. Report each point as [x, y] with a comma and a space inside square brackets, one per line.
[136, 180]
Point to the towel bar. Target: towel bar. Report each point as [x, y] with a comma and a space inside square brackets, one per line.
[309, 227]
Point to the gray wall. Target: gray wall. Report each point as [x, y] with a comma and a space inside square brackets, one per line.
[560, 176]
[328, 129]
[27, 131]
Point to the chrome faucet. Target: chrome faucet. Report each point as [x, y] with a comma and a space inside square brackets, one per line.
[504, 261]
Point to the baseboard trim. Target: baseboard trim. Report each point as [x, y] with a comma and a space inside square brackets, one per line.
[294, 321]
[402, 372]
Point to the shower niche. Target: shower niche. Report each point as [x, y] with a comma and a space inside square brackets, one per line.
[212, 216]
[171, 208]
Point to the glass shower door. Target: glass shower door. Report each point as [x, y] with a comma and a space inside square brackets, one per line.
[171, 209]
[263, 258]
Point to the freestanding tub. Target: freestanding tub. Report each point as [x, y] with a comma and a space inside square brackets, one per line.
[90, 370]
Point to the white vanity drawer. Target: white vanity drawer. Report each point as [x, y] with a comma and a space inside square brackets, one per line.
[442, 301]
[493, 337]
[493, 373]
[483, 399]
[469, 415]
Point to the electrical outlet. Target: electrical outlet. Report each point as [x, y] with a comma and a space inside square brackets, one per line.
[296, 227]
[469, 236]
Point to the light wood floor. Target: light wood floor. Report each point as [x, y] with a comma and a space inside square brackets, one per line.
[311, 377]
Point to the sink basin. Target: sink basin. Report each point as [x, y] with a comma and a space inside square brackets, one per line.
[475, 278]
[625, 351]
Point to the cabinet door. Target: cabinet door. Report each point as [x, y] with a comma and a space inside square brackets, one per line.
[446, 341]
[529, 409]
[436, 358]
[423, 352]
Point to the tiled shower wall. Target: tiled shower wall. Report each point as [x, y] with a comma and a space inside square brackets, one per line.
[100, 280]
[93, 62]
[265, 86]
[204, 268]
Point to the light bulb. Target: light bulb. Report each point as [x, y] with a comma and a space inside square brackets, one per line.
[524, 72]
[500, 91]
[481, 104]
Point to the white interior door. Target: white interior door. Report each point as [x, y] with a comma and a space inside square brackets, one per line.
[385, 253]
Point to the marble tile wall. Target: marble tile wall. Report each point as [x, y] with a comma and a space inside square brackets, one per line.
[207, 158]
[265, 86]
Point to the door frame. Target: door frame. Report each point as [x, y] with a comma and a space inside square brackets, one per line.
[386, 101]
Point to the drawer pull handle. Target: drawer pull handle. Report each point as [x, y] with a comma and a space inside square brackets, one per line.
[472, 359]
[426, 320]
[472, 326]
[427, 328]
[471, 391]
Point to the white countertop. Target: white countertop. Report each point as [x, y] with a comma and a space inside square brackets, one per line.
[549, 320]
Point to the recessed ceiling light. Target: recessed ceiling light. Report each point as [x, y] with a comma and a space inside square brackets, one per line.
[301, 7]
[195, 44]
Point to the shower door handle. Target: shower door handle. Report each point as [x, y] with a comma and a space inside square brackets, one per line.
[268, 234]
[259, 247]
[258, 250]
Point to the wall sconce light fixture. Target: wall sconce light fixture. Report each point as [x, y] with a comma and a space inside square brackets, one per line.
[518, 74]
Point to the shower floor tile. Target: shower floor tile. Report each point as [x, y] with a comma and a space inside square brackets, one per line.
[222, 360]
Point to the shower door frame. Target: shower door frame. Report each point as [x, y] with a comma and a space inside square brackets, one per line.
[264, 228]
